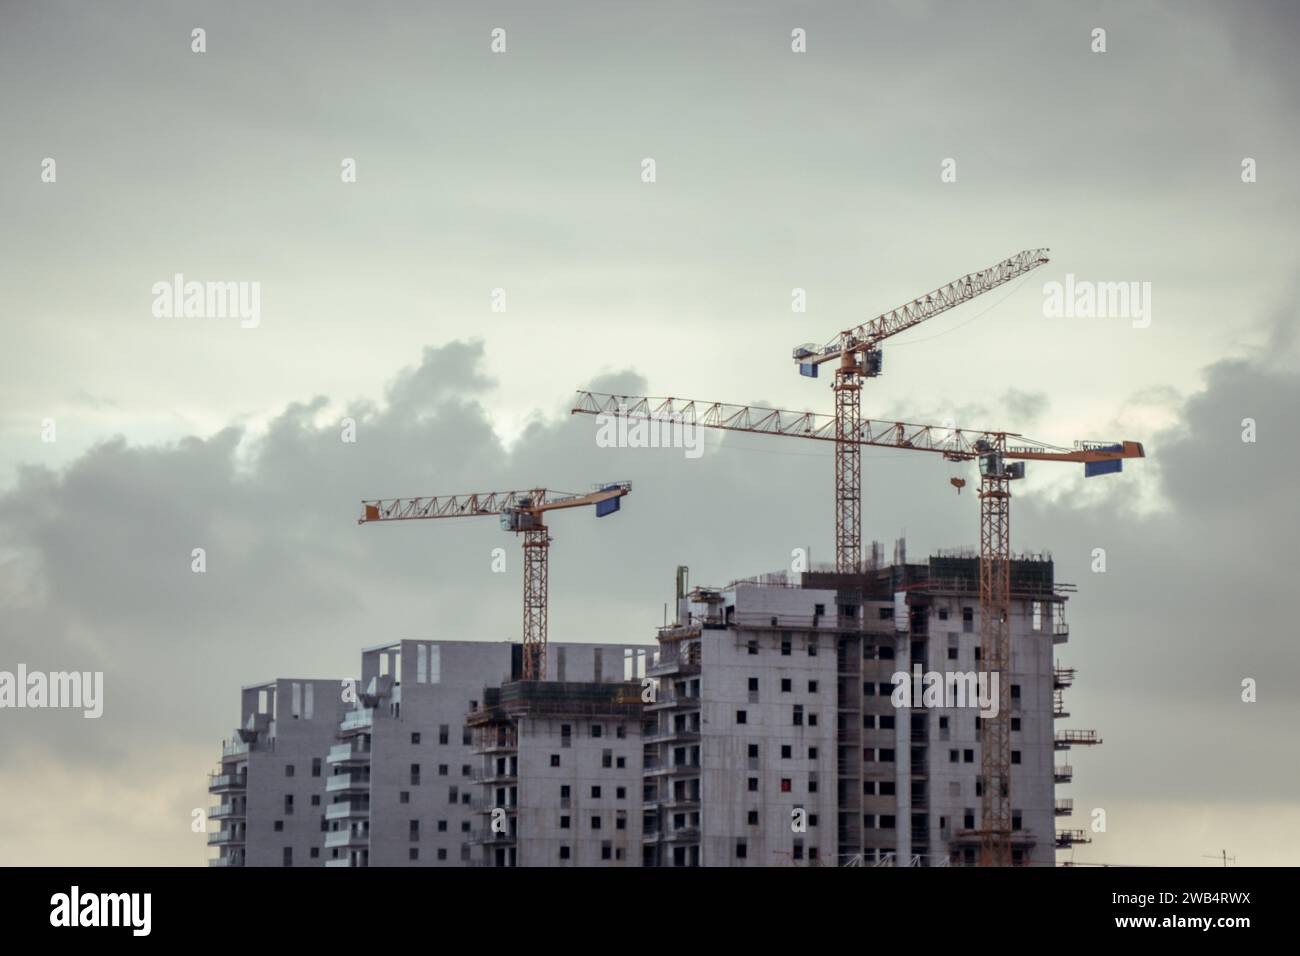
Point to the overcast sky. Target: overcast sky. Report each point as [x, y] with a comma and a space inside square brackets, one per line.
[522, 171]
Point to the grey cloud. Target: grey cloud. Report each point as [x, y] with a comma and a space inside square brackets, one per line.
[818, 171]
[1025, 407]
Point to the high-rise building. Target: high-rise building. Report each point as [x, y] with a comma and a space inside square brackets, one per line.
[376, 771]
[823, 719]
[561, 774]
[783, 731]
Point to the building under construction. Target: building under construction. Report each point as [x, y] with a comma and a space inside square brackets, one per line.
[766, 728]
[773, 727]
[778, 735]
[561, 774]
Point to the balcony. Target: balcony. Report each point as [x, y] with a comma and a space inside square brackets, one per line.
[507, 746]
[345, 810]
[680, 668]
[219, 782]
[1064, 808]
[344, 782]
[689, 769]
[235, 748]
[347, 838]
[680, 803]
[226, 811]
[1063, 773]
[342, 863]
[357, 720]
[485, 805]
[683, 835]
[226, 861]
[495, 776]
[350, 752]
[485, 837]
[672, 701]
[226, 838]
[684, 735]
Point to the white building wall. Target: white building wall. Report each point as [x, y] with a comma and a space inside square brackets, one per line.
[428, 819]
[285, 792]
[727, 670]
[599, 822]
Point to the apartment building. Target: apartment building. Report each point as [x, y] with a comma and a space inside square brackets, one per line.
[389, 760]
[560, 778]
[270, 786]
[776, 736]
[764, 728]
[403, 771]
[740, 762]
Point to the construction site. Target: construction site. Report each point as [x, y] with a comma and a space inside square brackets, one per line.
[763, 725]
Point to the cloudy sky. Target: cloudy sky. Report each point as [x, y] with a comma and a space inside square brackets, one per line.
[522, 171]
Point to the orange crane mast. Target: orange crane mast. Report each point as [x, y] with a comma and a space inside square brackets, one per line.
[521, 512]
[1001, 456]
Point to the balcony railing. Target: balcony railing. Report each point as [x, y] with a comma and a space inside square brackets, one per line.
[689, 768]
[227, 781]
[346, 781]
[348, 837]
[494, 746]
[674, 700]
[677, 803]
[495, 776]
[345, 809]
[225, 811]
[683, 835]
[687, 735]
[356, 719]
[347, 753]
[484, 805]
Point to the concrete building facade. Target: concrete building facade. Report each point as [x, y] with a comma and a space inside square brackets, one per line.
[270, 786]
[740, 760]
[375, 771]
[779, 736]
[561, 774]
[766, 727]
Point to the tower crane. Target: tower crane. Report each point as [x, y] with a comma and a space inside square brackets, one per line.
[521, 512]
[857, 351]
[1001, 456]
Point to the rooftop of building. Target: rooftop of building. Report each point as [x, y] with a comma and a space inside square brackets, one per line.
[558, 699]
[954, 570]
